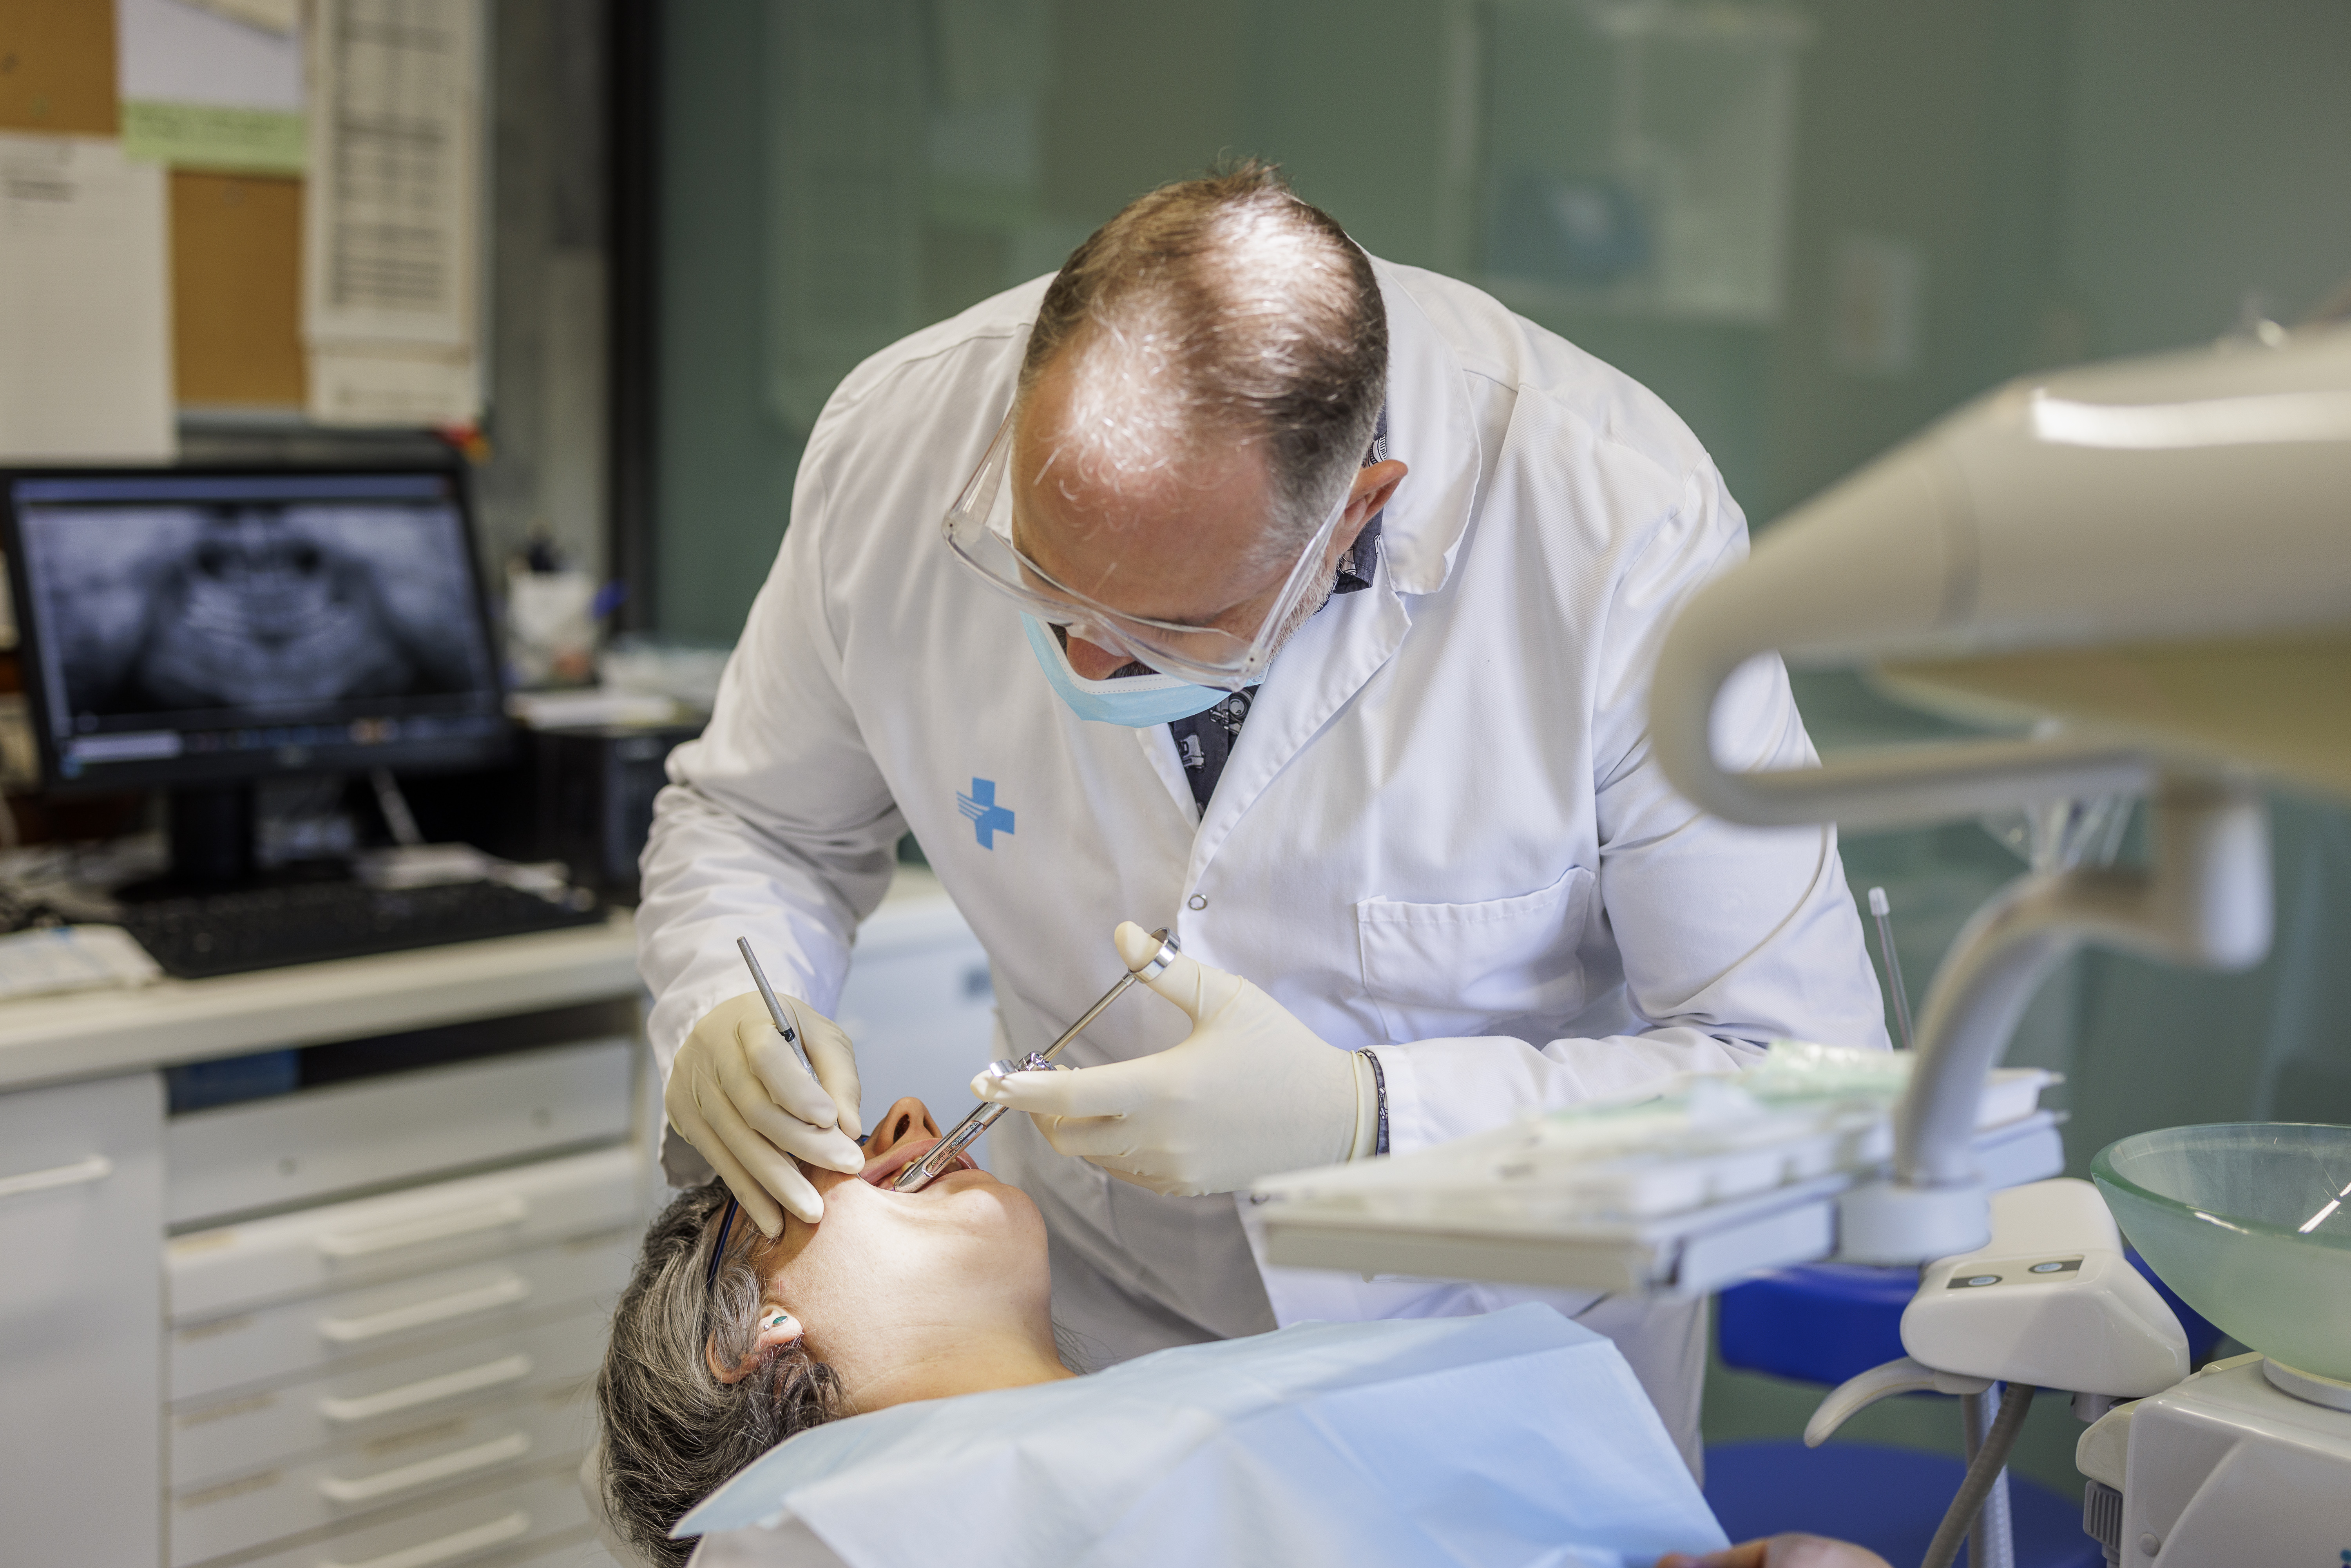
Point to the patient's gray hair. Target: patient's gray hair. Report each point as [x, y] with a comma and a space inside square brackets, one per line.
[1212, 313]
[673, 1433]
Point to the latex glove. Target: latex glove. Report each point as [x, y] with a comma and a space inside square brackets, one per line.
[1250, 1093]
[738, 1094]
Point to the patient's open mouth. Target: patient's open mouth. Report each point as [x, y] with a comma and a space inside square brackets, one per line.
[880, 1170]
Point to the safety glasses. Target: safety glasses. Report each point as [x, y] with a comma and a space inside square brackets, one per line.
[979, 531]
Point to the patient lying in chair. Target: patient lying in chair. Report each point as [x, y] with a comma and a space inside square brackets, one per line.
[905, 1347]
[894, 1297]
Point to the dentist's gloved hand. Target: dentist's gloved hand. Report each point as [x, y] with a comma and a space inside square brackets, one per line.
[738, 1094]
[1250, 1093]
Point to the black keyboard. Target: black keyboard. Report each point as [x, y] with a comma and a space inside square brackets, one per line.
[261, 928]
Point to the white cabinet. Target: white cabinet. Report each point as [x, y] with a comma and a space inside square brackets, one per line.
[366, 1340]
[81, 1239]
[399, 1378]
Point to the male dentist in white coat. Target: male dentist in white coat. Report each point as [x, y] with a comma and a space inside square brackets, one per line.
[1304, 605]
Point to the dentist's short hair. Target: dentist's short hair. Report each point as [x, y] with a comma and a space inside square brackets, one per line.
[1213, 312]
[673, 1434]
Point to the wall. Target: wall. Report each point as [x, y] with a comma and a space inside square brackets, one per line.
[546, 418]
[724, 467]
[2201, 152]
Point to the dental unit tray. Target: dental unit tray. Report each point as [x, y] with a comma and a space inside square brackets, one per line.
[1674, 1196]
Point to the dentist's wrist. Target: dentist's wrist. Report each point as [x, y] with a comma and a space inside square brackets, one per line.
[1371, 1107]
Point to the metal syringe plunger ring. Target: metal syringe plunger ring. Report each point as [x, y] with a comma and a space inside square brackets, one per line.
[920, 1173]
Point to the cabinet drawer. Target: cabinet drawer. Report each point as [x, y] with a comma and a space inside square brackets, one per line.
[81, 1209]
[394, 1472]
[304, 1147]
[295, 1336]
[502, 1524]
[339, 1246]
[253, 1428]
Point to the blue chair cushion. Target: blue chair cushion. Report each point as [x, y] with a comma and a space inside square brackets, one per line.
[2203, 1334]
[1888, 1500]
[1816, 1322]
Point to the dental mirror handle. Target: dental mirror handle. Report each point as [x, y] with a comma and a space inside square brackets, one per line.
[774, 1008]
[923, 1171]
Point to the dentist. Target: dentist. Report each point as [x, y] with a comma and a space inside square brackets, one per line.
[1233, 580]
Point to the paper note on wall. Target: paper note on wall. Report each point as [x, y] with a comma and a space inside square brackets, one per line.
[85, 303]
[206, 90]
[391, 247]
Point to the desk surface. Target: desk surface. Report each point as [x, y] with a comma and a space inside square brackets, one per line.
[88, 1034]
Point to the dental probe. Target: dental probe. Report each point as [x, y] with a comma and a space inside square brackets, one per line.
[920, 1173]
[792, 1038]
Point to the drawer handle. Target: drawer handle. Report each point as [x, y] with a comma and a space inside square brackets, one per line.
[449, 1548]
[98, 1167]
[344, 1245]
[425, 1472]
[426, 1391]
[498, 1293]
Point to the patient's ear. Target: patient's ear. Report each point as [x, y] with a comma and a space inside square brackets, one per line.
[777, 1330]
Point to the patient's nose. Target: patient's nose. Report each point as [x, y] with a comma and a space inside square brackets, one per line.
[909, 1118]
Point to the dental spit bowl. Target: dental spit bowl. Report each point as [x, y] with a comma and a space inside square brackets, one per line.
[2250, 1223]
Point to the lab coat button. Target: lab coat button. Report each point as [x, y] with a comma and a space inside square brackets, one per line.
[1198, 901]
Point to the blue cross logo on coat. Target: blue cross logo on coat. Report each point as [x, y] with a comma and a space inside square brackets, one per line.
[988, 818]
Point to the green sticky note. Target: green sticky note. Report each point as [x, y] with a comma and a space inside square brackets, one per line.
[214, 136]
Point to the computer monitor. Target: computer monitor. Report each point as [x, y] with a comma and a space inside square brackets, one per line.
[198, 630]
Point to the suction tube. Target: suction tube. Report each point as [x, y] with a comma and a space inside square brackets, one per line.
[2015, 1403]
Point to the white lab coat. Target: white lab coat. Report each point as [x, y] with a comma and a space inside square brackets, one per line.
[1441, 833]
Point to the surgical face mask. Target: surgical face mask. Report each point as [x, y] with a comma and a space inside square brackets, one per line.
[1139, 702]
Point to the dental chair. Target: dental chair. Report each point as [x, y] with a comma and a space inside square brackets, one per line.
[1821, 1323]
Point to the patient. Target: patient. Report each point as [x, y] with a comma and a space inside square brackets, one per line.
[895, 1297]
[906, 1297]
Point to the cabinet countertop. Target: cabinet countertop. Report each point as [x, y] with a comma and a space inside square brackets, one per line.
[90, 1034]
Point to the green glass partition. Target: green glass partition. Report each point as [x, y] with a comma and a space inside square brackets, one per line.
[1812, 225]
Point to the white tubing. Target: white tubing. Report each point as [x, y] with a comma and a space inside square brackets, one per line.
[2205, 902]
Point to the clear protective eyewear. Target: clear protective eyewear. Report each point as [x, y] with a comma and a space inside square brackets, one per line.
[978, 529]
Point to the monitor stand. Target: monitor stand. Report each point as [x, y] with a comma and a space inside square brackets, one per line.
[211, 836]
[211, 833]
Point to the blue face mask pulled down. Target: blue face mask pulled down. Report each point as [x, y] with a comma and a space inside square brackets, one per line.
[1138, 702]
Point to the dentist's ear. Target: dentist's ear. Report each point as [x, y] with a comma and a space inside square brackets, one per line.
[778, 1329]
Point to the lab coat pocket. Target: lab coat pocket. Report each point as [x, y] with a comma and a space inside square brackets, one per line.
[1503, 967]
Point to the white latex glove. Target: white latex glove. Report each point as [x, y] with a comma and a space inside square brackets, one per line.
[738, 1094]
[1250, 1093]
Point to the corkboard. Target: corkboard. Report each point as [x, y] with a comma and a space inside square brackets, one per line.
[56, 67]
[236, 289]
